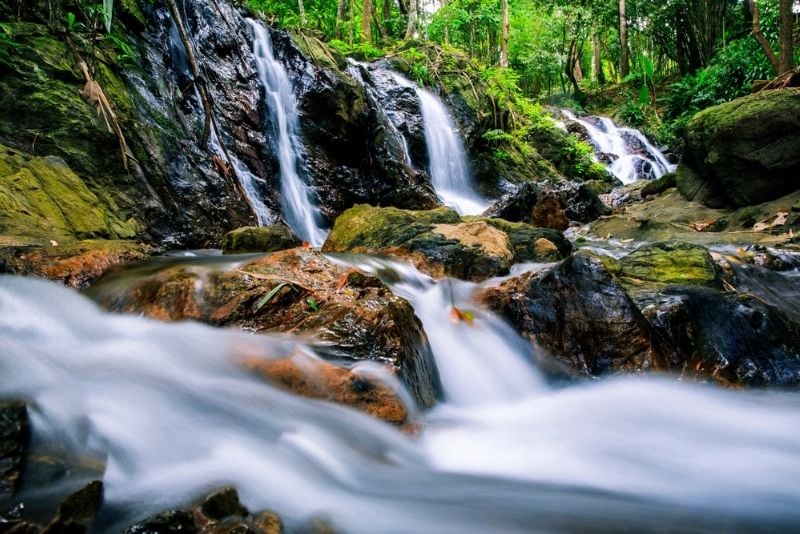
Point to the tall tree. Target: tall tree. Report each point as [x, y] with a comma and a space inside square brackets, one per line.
[504, 31]
[366, 21]
[597, 61]
[784, 62]
[341, 10]
[413, 7]
[624, 59]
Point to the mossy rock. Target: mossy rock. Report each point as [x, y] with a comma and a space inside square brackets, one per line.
[42, 197]
[441, 243]
[259, 239]
[669, 263]
[747, 150]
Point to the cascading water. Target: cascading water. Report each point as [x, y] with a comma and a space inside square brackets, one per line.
[168, 413]
[448, 166]
[302, 215]
[632, 156]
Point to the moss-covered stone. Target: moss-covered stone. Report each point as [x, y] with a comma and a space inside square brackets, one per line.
[670, 263]
[441, 243]
[259, 239]
[42, 197]
[747, 150]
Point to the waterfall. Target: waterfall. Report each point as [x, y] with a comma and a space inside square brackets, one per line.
[165, 413]
[302, 215]
[448, 165]
[632, 156]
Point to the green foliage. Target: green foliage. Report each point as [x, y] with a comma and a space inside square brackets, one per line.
[360, 51]
[70, 21]
[269, 296]
[108, 11]
[312, 304]
[7, 46]
[634, 112]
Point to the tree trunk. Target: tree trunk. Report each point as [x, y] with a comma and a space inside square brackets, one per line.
[366, 21]
[504, 30]
[773, 59]
[597, 62]
[341, 9]
[387, 10]
[413, 7]
[786, 37]
[302, 9]
[624, 60]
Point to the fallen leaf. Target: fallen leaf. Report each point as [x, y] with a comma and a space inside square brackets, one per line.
[465, 316]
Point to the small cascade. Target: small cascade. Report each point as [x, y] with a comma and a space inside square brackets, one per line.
[302, 215]
[629, 154]
[449, 169]
[468, 377]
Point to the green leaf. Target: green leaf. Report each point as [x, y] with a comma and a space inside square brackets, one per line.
[647, 66]
[312, 304]
[274, 291]
[70, 20]
[108, 10]
[644, 95]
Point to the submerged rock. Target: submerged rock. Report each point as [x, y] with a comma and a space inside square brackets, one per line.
[14, 435]
[743, 152]
[259, 239]
[353, 317]
[74, 264]
[440, 242]
[579, 313]
[318, 379]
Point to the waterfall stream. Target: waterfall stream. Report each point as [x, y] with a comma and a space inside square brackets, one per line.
[448, 165]
[165, 413]
[629, 154]
[302, 215]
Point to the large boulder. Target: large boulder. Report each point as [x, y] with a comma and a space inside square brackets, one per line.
[730, 338]
[259, 239]
[441, 243]
[351, 316]
[575, 201]
[745, 151]
[581, 315]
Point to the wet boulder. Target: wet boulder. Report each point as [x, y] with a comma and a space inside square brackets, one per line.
[352, 317]
[439, 242]
[75, 264]
[14, 435]
[743, 152]
[657, 265]
[729, 338]
[259, 239]
[581, 315]
[578, 201]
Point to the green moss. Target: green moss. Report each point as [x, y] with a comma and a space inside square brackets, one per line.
[368, 227]
[670, 263]
[259, 239]
[42, 197]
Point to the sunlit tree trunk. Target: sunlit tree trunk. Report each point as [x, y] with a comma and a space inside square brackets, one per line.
[624, 60]
[504, 30]
[413, 7]
[302, 9]
[366, 21]
[597, 61]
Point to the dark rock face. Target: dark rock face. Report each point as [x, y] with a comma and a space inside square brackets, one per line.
[165, 523]
[14, 435]
[729, 338]
[579, 202]
[745, 151]
[355, 316]
[581, 315]
[354, 152]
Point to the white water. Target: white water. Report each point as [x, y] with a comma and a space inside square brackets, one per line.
[448, 166]
[302, 215]
[610, 140]
[171, 415]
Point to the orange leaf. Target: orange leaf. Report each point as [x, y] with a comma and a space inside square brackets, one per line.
[465, 316]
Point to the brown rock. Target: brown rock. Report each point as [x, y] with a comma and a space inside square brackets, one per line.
[548, 213]
[75, 264]
[318, 379]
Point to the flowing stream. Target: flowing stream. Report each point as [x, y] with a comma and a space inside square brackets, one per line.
[165, 413]
[630, 155]
[302, 215]
[448, 165]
